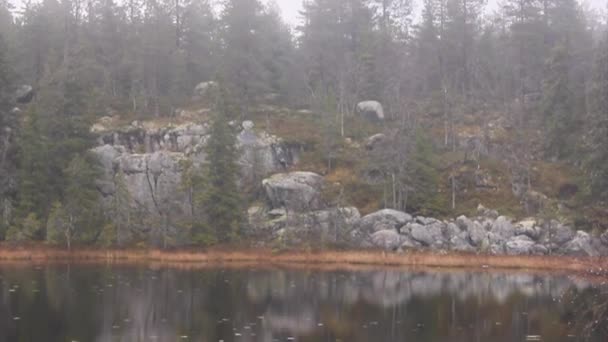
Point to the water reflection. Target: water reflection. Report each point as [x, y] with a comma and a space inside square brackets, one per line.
[63, 303]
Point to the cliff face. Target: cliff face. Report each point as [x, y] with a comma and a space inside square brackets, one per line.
[144, 164]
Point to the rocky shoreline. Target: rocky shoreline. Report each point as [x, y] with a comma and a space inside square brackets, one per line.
[286, 218]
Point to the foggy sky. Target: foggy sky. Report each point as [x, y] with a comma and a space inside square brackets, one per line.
[290, 8]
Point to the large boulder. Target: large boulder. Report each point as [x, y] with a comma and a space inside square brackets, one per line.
[604, 238]
[580, 245]
[477, 233]
[374, 141]
[460, 243]
[451, 230]
[383, 219]
[371, 110]
[529, 228]
[520, 245]
[502, 228]
[408, 243]
[431, 235]
[556, 234]
[24, 94]
[387, 239]
[501, 231]
[204, 89]
[330, 225]
[296, 191]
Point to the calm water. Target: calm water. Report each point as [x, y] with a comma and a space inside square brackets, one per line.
[99, 303]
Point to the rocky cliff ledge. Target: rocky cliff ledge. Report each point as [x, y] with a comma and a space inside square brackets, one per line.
[144, 162]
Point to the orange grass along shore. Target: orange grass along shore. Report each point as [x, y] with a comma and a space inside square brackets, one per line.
[336, 259]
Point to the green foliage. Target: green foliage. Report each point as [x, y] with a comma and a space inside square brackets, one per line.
[204, 238]
[597, 156]
[220, 199]
[81, 200]
[57, 225]
[77, 217]
[6, 81]
[29, 229]
[558, 107]
[423, 175]
[34, 189]
[8, 124]
[243, 54]
[108, 236]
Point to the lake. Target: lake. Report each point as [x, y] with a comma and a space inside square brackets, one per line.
[142, 303]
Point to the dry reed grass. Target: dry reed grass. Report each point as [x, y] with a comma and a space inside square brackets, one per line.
[307, 258]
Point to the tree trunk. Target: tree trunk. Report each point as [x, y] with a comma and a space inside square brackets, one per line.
[453, 192]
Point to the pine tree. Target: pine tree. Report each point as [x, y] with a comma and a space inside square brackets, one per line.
[221, 200]
[427, 50]
[461, 29]
[7, 132]
[526, 39]
[597, 161]
[558, 106]
[199, 43]
[242, 56]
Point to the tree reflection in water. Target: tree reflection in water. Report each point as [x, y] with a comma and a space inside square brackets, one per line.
[63, 303]
[589, 310]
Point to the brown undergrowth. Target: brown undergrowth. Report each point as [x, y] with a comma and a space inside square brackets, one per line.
[301, 258]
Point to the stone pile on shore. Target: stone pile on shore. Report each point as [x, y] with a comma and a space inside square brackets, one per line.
[295, 215]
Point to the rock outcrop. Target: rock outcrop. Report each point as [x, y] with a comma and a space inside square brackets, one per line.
[580, 245]
[384, 219]
[263, 153]
[333, 225]
[295, 191]
[387, 239]
[145, 162]
[392, 230]
[520, 245]
[375, 141]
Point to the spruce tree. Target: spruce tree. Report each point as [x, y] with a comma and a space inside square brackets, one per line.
[242, 55]
[7, 126]
[597, 161]
[558, 106]
[81, 198]
[221, 200]
[34, 193]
